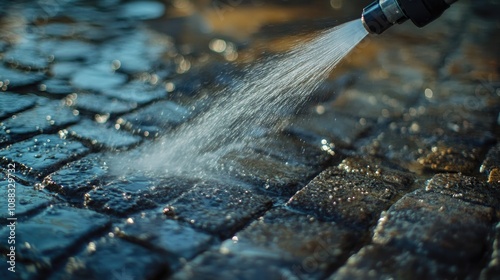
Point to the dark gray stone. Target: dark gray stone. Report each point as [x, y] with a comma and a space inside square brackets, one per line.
[28, 198]
[14, 78]
[309, 248]
[42, 240]
[171, 236]
[437, 226]
[45, 118]
[26, 57]
[77, 177]
[114, 258]
[70, 50]
[42, 154]
[351, 194]
[102, 136]
[11, 103]
[492, 269]
[98, 78]
[142, 10]
[56, 87]
[100, 104]
[217, 208]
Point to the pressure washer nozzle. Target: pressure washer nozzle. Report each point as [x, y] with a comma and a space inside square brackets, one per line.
[382, 14]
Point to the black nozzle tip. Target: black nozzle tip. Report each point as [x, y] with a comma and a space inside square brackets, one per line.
[374, 20]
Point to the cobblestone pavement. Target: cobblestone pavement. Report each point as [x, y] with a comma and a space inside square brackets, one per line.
[392, 170]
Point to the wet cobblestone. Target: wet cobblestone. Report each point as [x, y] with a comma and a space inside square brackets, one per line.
[390, 171]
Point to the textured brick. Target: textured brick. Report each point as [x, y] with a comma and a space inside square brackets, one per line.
[44, 242]
[437, 226]
[29, 199]
[113, 257]
[350, 194]
[42, 154]
[217, 208]
[138, 92]
[77, 177]
[102, 136]
[13, 78]
[155, 119]
[491, 164]
[99, 104]
[11, 103]
[46, 118]
[307, 247]
[173, 237]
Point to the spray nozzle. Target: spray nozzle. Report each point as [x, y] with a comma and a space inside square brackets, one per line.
[382, 14]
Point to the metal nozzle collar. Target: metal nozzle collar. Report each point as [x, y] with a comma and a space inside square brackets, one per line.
[392, 11]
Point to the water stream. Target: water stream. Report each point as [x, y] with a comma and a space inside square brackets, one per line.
[270, 91]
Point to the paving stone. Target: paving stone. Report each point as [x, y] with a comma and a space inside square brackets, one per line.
[331, 126]
[57, 29]
[100, 104]
[115, 199]
[383, 262]
[465, 188]
[155, 119]
[77, 177]
[138, 92]
[102, 136]
[178, 239]
[491, 164]
[42, 154]
[97, 78]
[300, 243]
[348, 194]
[113, 257]
[28, 198]
[216, 265]
[217, 208]
[56, 87]
[268, 173]
[35, 236]
[65, 69]
[437, 226]
[11, 103]
[45, 118]
[13, 78]
[69, 50]
[25, 56]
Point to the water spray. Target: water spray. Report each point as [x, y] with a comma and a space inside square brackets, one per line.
[382, 14]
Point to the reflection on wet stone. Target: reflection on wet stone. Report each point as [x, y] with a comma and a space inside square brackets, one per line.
[390, 169]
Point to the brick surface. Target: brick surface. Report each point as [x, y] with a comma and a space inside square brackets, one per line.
[42, 154]
[11, 103]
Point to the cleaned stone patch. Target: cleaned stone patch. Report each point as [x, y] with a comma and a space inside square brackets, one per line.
[46, 118]
[102, 136]
[42, 240]
[437, 226]
[300, 243]
[42, 154]
[465, 188]
[11, 103]
[350, 194]
[114, 258]
[25, 56]
[217, 208]
[386, 262]
[97, 78]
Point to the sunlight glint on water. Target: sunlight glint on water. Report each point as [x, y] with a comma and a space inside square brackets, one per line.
[280, 84]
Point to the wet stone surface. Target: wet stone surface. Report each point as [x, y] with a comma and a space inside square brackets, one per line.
[390, 170]
[42, 154]
[48, 117]
[217, 208]
[349, 195]
[101, 136]
[36, 242]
